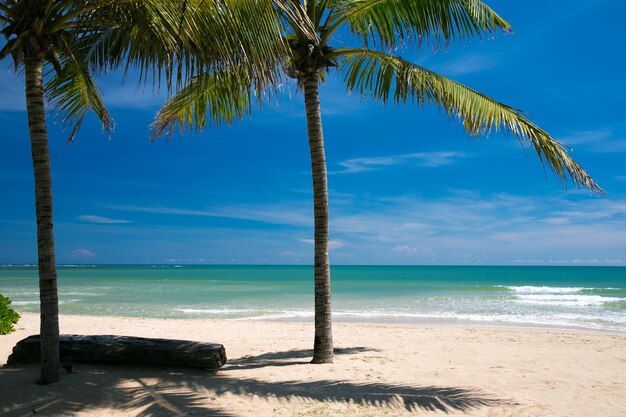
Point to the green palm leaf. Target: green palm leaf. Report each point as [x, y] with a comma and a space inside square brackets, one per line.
[298, 20]
[385, 77]
[78, 38]
[391, 23]
[72, 93]
[161, 37]
[209, 98]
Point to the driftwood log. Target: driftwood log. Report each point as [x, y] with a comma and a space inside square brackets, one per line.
[125, 350]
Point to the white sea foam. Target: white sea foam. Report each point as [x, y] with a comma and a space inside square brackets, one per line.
[24, 303]
[574, 317]
[565, 300]
[88, 294]
[213, 311]
[598, 321]
[248, 314]
[529, 289]
[282, 315]
[76, 266]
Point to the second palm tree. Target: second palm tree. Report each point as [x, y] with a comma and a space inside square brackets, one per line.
[374, 73]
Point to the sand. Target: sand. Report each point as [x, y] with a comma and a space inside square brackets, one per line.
[379, 370]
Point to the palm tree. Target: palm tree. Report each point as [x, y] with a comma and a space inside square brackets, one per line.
[369, 70]
[59, 44]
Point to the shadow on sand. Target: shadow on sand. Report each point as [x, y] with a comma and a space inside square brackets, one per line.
[182, 392]
[285, 358]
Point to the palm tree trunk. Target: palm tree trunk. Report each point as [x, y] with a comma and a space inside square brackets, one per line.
[323, 343]
[48, 293]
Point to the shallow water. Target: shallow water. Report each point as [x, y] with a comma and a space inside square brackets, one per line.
[587, 297]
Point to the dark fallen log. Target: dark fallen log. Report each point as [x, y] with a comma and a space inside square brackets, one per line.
[125, 350]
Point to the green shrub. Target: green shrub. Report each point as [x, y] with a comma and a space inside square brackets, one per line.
[8, 316]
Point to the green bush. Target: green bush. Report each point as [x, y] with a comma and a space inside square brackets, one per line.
[8, 316]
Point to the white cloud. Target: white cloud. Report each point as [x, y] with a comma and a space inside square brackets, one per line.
[82, 253]
[116, 92]
[557, 220]
[467, 64]
[587, 136]
[570, 261]
[494, 228]
[464, 227]
[101, 220]
[423, 159]
[602, 140]
[185, 260]
[276, 213]
[610, 146]
[404, 249]
[422, 252]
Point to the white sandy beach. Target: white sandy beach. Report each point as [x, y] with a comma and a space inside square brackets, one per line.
[379, 370]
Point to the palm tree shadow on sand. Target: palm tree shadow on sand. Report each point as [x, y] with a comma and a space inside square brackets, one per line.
[182, 392]
[285, 358]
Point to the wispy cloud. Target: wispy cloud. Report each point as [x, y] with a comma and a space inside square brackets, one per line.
[594, 261]
[461, 227]
[82, 253]
[275, 213]
[185, 260]
[602, 140]
[610, 146]
[101, 220]
[422, 251]
[587, 136]
[467, 64]
[472, 228]
[453, 227]
[422, 159]
[550, 22]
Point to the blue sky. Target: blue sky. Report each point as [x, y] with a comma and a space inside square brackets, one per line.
[407, 185]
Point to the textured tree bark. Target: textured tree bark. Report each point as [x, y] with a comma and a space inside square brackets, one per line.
[125, 350]
[48, 293]
[323, 342]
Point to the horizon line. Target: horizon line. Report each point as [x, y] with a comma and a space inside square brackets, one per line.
[538, 264]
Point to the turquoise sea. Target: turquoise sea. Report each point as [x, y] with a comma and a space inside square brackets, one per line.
[586, 297]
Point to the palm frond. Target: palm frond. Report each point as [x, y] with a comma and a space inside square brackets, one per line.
[299, 21]
[162, 38]
[72, 93]
[390, 23]
[385, 77]
[7, 48]
[256, 26]
[210, 98]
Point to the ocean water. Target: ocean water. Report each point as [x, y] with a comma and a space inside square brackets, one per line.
[585, 297]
